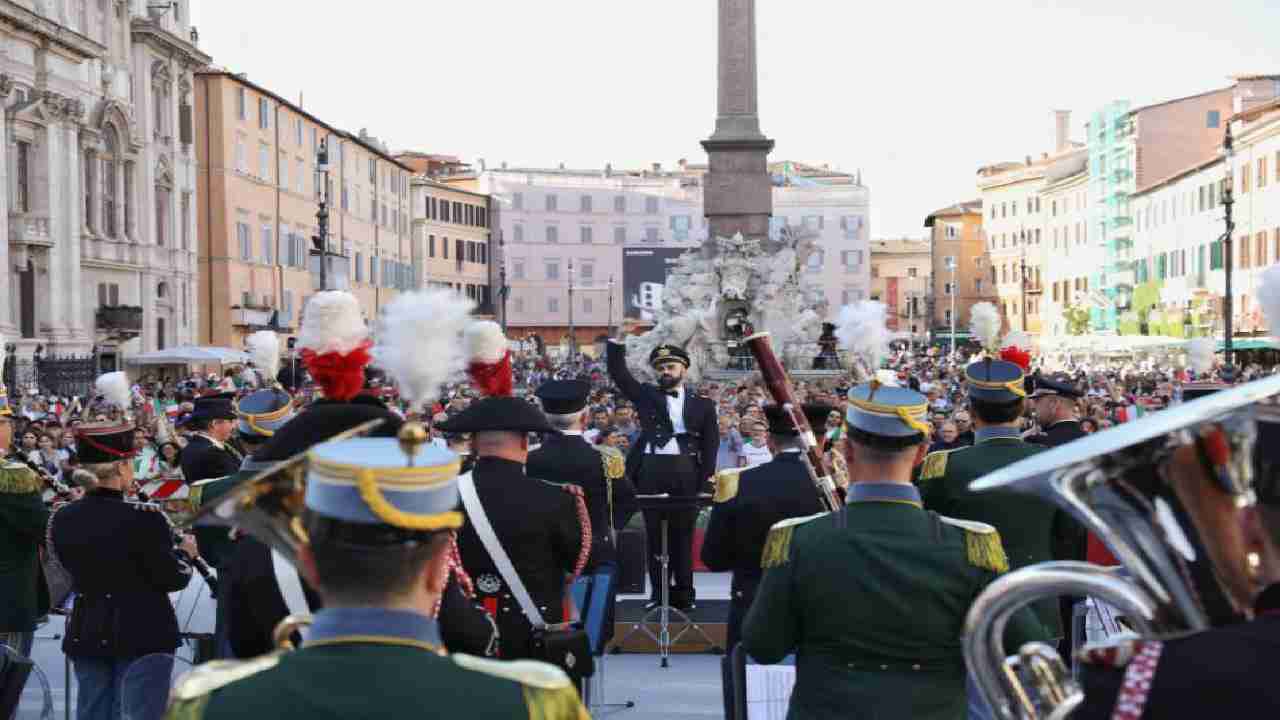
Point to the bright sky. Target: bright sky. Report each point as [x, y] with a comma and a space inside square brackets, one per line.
[916, 94]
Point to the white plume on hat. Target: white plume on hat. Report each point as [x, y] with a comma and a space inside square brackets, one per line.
[1200, 355]
[420, 341]
[887, 377]
[264, 350]
[1268, 298]
[484, 341]
[861, 330]
[1017, 339]
[332, 322]
[114, 388]
[984, 323]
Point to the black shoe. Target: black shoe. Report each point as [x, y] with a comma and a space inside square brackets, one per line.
[687, 608]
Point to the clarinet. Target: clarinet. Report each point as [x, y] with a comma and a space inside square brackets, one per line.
[775, 379]
[195, 561]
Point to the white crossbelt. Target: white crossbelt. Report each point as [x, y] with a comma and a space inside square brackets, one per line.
[290, 587]
[480, 523]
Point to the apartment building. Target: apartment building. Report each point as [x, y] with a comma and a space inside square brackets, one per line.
[98, 250]
[602, 229]
[959, 267]
[900, 278]
[1132, 149]
[451, 240]
[259, 190]
[1179, 258]
[1069, 256]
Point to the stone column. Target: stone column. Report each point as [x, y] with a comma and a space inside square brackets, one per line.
[8, 318]
[76, 222]
[738, 196]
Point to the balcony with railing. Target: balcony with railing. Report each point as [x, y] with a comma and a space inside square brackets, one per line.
[30, 229]
[119, 321]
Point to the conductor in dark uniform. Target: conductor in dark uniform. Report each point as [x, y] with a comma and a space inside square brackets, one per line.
[543, 527]
[122, 563]
[565, 457]
[675, 454]
[1053, 399]
[209, 452]
[749, 502]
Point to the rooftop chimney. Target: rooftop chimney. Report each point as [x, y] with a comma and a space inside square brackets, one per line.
[561, 166]
[1061, 130]
[480, 162]
[608, 169]
[1028, 160]
[657, 168]
[684, 164]
[504, 164]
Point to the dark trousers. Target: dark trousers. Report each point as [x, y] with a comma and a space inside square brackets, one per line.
[676, 475]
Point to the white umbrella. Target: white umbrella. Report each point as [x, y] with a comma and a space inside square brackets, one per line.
[190, 355]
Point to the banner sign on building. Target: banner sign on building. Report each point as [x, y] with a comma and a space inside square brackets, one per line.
[644, 275]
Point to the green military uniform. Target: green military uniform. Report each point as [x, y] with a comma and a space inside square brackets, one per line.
[1025, 522]
[24, 596]
[365, 677]
[373, 495]
[872, 598]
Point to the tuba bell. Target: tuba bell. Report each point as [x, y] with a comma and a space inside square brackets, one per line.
[1164, 495]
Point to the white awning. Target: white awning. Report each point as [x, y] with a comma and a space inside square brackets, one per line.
[189, 355]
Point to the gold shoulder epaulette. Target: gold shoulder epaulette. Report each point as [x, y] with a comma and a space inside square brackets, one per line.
[935, 465]
[533, 673]
[204, 679]
[727, 484]
[18, 479]
[777, 547]
[981, 543]
[548, 692]
[615, 464]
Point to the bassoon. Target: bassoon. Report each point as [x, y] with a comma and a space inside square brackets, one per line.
[779, 386]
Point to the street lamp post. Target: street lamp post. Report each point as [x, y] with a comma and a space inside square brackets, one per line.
[1228, 199]
[321, 240]
[573, 340]
[951, 265]
[609, 330]
[1022, 278]
[503, 290]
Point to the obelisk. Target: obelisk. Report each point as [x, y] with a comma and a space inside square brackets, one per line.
[738, 195]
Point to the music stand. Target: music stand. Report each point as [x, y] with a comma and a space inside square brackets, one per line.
[664, 503]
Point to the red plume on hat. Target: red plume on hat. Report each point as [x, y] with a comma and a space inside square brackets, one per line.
[1017, 350]
[488, 358]
[334, 341]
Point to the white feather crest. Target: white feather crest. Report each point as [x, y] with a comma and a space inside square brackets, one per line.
[420, 341]
[1268, 298]
[114, 388]
[1200, 354]
[264, 350]
[1017, 339]
[484, 342]
[984, 323]
[332, 322]
[861, 330]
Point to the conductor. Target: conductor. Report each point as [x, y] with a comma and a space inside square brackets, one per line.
[675, 454]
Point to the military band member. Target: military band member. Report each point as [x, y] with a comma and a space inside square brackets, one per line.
[997, 395]
[749, 502]
[1223, 672]
[1054, 402]
[675, 454]
[209, 452]
[121, 559]
[544, 528]
[24, 596]
[566, 457]
[872, 598]
[379, 513]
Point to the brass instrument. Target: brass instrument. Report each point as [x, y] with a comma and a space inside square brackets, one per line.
[775, 380]
[1163, 493]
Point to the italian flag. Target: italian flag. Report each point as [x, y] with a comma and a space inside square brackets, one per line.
[1131, 412]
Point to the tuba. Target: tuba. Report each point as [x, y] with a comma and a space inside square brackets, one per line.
[1164, 494]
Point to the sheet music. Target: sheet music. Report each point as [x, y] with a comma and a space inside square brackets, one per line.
[769, 691]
